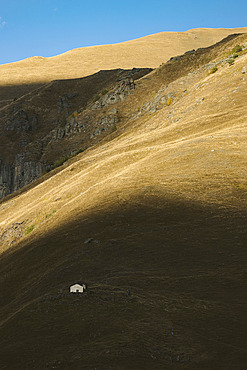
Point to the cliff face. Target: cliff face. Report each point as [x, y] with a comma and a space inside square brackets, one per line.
[42, 129]
[25, 172]
[6, 179]
[21, 173]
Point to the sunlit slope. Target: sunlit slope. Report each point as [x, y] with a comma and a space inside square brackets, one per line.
[149, 51]
[194, 148]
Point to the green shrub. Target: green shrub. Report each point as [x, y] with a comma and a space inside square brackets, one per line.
[237, 49]
[235, 55]
[96, 97]
[103, 92]
[50, 214]
[230, 61]
[213, 70]
[29, 229]
[60, 161]
[81, 150]
[46, 171]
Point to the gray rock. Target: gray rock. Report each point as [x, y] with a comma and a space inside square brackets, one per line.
[244, 70]
[34, 123]
[190, 52]
[18, 121]
[72, 121]
[174, 59]
[19, 174]
[89, 240]
[71, 95]
[14, 231]
[6, 179]
[97, 105]
[58, 133]
[120, 93]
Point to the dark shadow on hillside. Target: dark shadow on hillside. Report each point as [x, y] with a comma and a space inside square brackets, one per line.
[167, 287]
[12, 92]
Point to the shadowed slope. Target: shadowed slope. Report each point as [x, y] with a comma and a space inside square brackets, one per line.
[155, 265]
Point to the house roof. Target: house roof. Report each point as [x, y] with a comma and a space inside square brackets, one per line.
[79, 283]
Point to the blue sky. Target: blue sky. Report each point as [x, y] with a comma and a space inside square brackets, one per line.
[50, 27]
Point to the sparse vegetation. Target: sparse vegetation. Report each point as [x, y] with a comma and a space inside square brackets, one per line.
[234, 54]
[105, 91]
[60, 161]
[50, 214]
[96, 98]
[29, 229]
[237, 49]
[81, 150]
[230, 61]
[213, 70]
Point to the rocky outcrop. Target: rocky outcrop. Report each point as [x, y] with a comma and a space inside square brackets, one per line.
[161, 99]
[20, 122]
[105, 124]
[120, 93]
[6, 179]
[27, 165]
[13, 232]
[57, 120]
[25, 172]
[64, 102]
[21, 173]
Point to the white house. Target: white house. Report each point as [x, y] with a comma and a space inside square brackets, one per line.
[78, 287]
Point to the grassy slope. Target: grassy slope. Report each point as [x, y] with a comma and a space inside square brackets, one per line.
[165, 204]
[150, 51]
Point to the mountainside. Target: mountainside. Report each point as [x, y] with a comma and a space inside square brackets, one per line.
[46, 127]
[151, 215]
[150, 51]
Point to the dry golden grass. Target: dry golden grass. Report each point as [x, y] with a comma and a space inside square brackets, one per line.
[194, 148]
[150, 51]
[165, 203]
